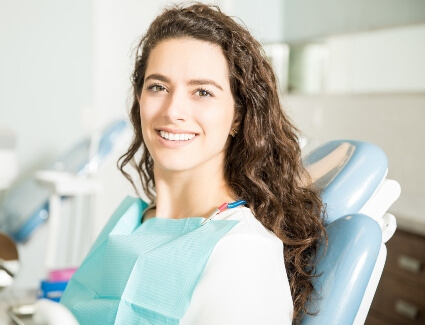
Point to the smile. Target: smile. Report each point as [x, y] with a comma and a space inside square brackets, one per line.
[176, 136]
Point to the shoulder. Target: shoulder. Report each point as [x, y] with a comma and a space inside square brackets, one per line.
[251, 230]
[250, 246]
[245, 280]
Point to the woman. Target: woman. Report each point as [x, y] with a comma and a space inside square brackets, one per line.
[210, 129]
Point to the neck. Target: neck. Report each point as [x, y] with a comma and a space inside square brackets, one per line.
[194, 193]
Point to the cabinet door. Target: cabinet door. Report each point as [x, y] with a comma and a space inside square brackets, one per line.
[400, 297]
[399, 302]
[406, 257]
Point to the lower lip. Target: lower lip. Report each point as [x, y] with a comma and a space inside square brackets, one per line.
[174, 144]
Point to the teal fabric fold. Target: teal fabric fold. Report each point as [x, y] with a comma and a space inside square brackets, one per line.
[142, 273]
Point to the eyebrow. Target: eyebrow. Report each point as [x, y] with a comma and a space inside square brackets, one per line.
[200, 82]
[156, 76]
[193, 82]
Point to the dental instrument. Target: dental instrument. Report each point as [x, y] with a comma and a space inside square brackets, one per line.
[223, 207]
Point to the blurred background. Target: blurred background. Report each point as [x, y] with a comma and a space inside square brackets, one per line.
[347, 69]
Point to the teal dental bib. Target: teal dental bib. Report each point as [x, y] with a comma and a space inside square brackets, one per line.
[142, 273]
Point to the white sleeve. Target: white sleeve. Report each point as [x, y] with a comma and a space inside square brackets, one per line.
[244, 282]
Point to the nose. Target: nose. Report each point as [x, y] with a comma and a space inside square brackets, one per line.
[176, 107]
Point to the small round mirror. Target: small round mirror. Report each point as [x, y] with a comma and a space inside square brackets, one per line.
[9, 260]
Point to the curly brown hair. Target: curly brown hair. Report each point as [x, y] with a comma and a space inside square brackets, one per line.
[263, 162]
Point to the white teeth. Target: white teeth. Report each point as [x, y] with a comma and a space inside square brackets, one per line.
[176, 136]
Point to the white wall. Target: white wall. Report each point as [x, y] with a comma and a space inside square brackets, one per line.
[45, 83]
[45, 78]
[384, 61]
[380, 61]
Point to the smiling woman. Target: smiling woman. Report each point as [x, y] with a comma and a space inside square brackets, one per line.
[210, 129]
[187, 94]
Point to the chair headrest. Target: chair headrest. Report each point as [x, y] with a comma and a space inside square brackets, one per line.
[347, 173]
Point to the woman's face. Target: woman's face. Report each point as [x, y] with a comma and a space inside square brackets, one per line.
[186, 105]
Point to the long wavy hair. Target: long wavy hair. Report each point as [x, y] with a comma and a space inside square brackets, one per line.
[263, 162]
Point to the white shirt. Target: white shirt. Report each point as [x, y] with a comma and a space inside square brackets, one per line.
[245, 280]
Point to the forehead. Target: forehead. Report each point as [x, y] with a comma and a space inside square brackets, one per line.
[188, 58]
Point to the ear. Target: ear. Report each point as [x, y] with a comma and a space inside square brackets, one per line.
[236, 121]
[235, 126]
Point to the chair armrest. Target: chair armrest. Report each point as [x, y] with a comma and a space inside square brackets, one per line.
[354, 242]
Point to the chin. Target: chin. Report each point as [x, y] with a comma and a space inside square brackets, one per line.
[174, 164]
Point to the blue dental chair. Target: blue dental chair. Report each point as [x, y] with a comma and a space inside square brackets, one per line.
[351, 176]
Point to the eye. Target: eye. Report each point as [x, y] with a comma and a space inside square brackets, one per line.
[156, 88]
[204, 93]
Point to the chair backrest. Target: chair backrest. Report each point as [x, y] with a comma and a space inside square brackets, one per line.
[351, 176]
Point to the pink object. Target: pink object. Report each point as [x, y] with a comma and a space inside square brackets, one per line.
[222, 207]
[61, 275]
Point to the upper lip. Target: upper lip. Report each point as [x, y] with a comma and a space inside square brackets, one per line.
[175, 131]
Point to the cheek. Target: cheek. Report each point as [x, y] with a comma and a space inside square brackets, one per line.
[141, 113]
[217, 124]
[147, 110]
[145, 117]
[221, 112]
